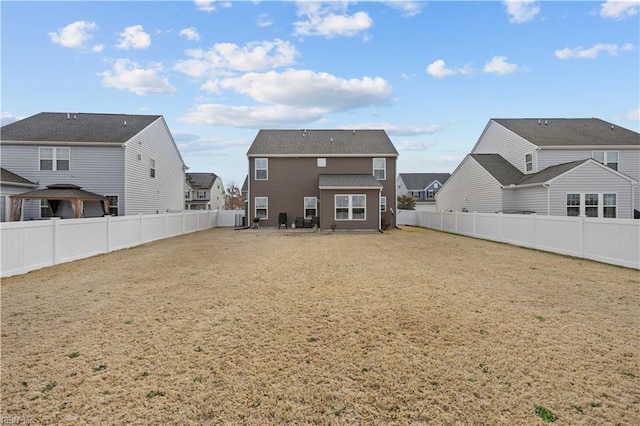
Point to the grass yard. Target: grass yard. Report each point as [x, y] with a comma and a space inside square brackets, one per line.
[258, 327]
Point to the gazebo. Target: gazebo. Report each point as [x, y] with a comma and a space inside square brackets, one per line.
[57, 194]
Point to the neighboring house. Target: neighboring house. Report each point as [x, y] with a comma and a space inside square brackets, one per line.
[203, 191]
[557, 167]
[130, 159]
[334, 178]
[11, 184]
[422, 186]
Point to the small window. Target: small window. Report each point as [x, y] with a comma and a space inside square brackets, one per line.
[380, 168]
[45, 209]
[609, 158]
[430, 194]
[528, 162]
[310, 207]
[383, 204]
[113, 204]
[54, 158]
[152, 168]
[139, 157]
[609, 205]
[262, 169]
[322, 162]
[573, 204]
[591, 205]
[350, 207]
[262, 207]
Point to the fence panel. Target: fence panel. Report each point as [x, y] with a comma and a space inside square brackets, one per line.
[26, 246]
[124, 232]
[78, 238]
[612, 241]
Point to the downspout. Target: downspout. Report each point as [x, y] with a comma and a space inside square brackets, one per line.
[546, 185]
[379, 212]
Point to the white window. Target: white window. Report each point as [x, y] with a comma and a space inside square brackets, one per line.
[113, 204]
[430, 193]
[380, 168]
[262, 169]
[262, 207]
[350, 207]
[322, 162]
[52, 158]
[201, 195]
[610, 158]
[310, 207]
[528, 162]
[152, 167]
[383, 204]
[187, 195]
[592, 205]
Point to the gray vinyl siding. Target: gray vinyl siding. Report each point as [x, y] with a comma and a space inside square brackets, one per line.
[498, 140]
[590, 178]
[98, 169]
[471, 181]
[401, 187]
[531, 199]
[164, 192]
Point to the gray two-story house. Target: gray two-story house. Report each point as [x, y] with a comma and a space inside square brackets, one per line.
[130, 159]
[558, 167]
[334, 179]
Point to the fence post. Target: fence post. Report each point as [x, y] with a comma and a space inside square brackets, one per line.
[107, 225]
[166, 223]
[533, 230]
[441, 220]
[141, 228]
[184, 219]
[455, 226]
[581, 237]
[475, 216]
[56, 238]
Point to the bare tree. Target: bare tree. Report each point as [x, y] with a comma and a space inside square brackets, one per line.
[233, 198]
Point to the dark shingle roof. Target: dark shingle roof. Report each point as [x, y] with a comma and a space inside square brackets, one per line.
[419, 181]
[348, 181]
[503, 171]
[82, 127]
[549, 173]
[11, 178]
[570, 131]
[322, 142]
[201, 180]
[60, 192]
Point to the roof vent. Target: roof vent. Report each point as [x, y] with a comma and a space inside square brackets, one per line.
[612, 127]
[125, 123]
[353, 132]
[545, 122]
[539, 122]
[74, 116]
[68, 116]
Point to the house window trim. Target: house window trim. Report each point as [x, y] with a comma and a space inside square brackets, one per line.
[321, 162]
[152, 168]
[54, 158]
[615, 206]
[600, 205]
[384, 168]
[383, 204]
[605, 160]
[305, 208]
[265, 168]
[44, 204]
[266, 208]
[349, 207]
[528, 163]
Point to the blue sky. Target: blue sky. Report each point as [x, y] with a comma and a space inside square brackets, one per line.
[431, 74]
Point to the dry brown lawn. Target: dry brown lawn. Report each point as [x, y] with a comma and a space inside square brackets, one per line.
[271, 327]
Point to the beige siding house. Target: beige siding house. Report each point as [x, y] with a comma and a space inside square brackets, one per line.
[334, 179]
[559, 167]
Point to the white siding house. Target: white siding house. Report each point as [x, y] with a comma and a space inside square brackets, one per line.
[554, 167]
[203, 191]
[107, 154]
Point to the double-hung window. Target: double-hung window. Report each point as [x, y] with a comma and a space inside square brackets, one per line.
[610, 158]
[383, 204]
[380, 168]
[262, 207]
[152, 168]
[609, 205]
[113, 204]
[45, 209]
[528, 162]
[592, 205]
[573, 204]
[54, 158]
[262, 168]
[310, 207]
[350, 207]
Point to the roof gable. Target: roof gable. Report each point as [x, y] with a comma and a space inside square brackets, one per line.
[322, 143]
[201, 180]
[548, 132]
[82, 127]
[503, 171]
[420, 181]
[11, 178]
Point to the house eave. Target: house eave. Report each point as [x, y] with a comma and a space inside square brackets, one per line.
[588, 147]
[63, 143]
[372, 155]
[22, 185]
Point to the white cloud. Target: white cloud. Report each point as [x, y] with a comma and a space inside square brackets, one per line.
[290, 98]
[330, 19]
[438, 69]
[308, 89]
[98, 48]
[224, 58]
[499, 65]
[408, 8]
[190, 33]
[592, 52]
[7, 118]
[397, 129]
[264, 20]
[74, 35]
[521, 11]
[128, 75]
[414, 145]
[134, 37]
[633, 115]
[616, 9]
[210, 5]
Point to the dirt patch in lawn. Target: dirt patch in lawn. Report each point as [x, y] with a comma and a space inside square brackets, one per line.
[265, 327]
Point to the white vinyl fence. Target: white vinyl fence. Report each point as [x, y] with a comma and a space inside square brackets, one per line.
[614, 241]
[30, 245]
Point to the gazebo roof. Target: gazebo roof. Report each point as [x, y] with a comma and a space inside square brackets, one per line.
[61, 191]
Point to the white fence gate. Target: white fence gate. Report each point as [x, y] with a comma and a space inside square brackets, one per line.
[30, 245]
[614, 241]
